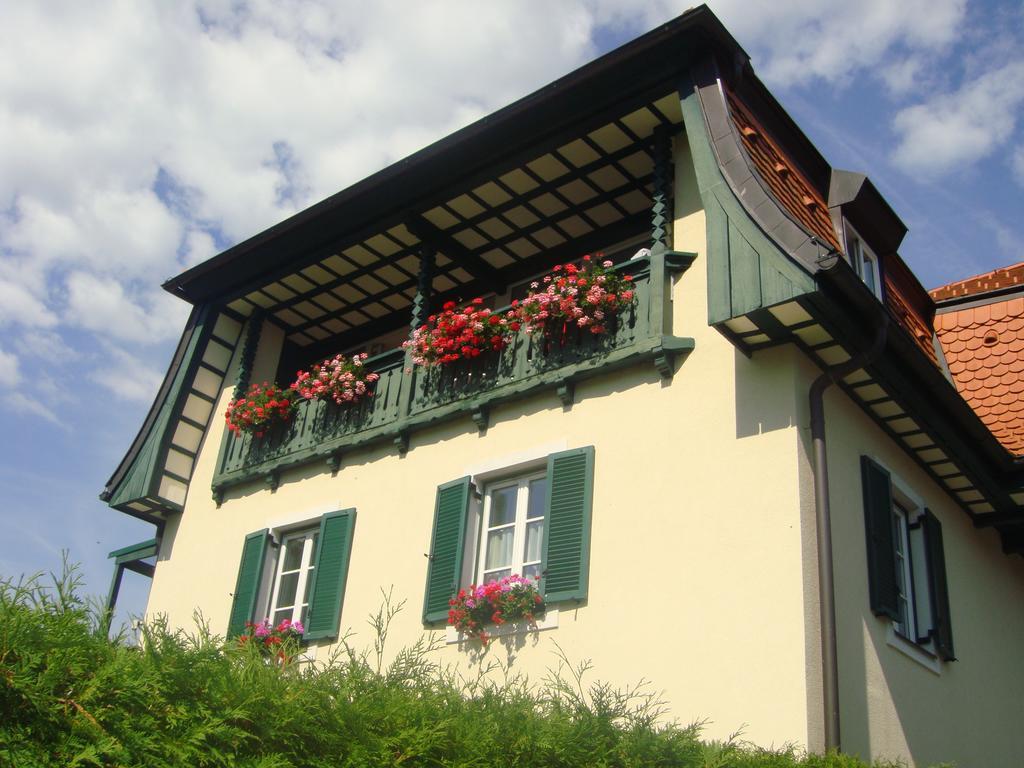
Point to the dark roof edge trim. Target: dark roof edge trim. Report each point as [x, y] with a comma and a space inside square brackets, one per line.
[154, 410]
[763, 208]
[699, 20]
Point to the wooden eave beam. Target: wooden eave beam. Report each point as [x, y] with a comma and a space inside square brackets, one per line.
[488, 276]
[635, 225]
[990, 519]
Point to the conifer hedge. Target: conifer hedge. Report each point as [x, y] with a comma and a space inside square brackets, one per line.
[69, 696]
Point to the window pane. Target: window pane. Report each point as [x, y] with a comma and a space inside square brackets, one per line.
[869, 273]
[503, 506]
[495, 575]
[280, 616]
[286, 592]
[293, 554]
[531, 571]
[312, 549]
[534, 541]
[538, 497]
[309, 581]
[499, 548]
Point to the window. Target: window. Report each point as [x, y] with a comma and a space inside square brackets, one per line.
[513, 529]
[906, 563]
[532, 523]
[293, 577]
[863, 261]
[296, 574]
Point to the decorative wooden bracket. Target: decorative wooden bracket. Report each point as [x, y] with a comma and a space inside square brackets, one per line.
[218, 495]
[666, 352]
[401, 442]
[272, 479]
[566, 392]
[333, 461]
[481, 416]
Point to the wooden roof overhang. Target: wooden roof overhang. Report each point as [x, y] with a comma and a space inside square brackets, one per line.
[561, 172]
[773, 279]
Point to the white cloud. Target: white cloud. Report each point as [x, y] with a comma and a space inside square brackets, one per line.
[10, 376]
[797, 41]
[127, 376]
[19, 307]
[952, 130]
[45, 345]
[104, 305]
[19, 402]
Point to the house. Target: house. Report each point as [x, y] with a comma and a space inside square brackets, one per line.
[785, 485]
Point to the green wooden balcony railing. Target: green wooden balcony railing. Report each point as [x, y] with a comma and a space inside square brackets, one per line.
[406, 399]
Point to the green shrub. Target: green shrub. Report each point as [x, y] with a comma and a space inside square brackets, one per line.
[69, 696]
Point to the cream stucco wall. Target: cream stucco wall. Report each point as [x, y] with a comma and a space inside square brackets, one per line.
[890, 703]
[696, 581]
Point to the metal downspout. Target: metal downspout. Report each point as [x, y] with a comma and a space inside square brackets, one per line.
[823, 516]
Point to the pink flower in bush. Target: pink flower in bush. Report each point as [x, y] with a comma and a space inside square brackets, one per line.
[341, 379]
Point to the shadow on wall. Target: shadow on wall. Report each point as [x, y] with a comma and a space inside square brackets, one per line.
[765, 392]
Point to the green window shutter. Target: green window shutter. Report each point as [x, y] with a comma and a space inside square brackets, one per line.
[878, 522]
[566, 561]
[938, 592]
[446, 545]
[247, 585]
[327, 592]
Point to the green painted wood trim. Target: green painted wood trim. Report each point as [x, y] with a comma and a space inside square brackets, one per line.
[565, 563]
[938, 589]
[447, 545]
[643, 352]
[746, 269]
[142, 478]
[878, 522]
[402, 415]
[143, 549]
[247, 584]
[327, 592]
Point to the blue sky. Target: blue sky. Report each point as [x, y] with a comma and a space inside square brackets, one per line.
[137, 139]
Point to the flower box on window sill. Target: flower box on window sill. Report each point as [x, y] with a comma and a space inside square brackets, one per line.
[550, 621]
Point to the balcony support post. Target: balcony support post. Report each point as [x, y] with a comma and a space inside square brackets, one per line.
[661, 222]
[252, 341]
[421, 303]
[420, 312]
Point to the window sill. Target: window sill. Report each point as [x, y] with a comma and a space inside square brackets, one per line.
[912, 650]
[550, 621]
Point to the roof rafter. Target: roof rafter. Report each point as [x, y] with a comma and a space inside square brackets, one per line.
[457, 252]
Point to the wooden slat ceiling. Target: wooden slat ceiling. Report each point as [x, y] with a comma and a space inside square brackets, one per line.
[793, 323]
[593, 182]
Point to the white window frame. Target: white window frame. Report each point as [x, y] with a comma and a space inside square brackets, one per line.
[904, 551]
[907, 532]
[522, 483]
[863, 260]
[305, 571]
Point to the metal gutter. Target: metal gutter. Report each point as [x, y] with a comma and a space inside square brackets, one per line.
[823, 518]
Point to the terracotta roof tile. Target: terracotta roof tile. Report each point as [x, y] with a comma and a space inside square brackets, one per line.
[983, 346]
[1005, 277]
[908, 302]
[799, 197]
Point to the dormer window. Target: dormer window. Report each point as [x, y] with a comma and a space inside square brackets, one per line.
[863, 260]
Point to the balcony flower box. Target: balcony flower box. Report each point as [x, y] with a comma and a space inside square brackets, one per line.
[260, 409]
[341, 380]
[511, 599]
[460, 334]
[575, 299]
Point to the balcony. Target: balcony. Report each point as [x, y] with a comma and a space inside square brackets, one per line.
[407, 399]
